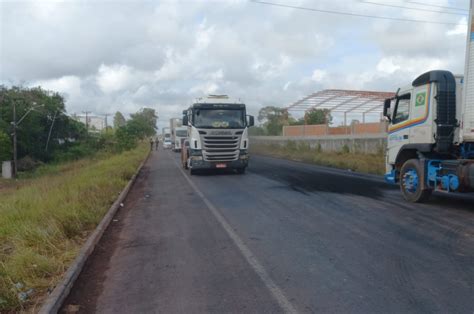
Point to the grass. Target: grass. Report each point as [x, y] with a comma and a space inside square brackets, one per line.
[45, 220]
[344, 159]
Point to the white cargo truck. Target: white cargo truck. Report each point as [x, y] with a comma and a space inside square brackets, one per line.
[218, 134]
[431, 132]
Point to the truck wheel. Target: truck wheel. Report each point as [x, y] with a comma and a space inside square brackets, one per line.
[240, 170]
[410, 182]
[192, 172]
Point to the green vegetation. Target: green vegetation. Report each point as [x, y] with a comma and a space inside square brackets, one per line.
[365, 163]
[46, 134]
[46, 220]
[273, 120]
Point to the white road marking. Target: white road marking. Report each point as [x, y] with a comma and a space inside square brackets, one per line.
[276, 292]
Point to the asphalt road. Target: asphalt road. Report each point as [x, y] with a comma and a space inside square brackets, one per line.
[285, 237]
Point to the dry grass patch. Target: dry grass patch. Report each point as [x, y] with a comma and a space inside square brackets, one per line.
[365, 163]
[45, 221]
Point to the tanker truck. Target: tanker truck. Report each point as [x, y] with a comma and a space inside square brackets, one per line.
[217, 134]
[430, 145]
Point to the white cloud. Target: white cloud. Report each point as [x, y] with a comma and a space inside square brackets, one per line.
[113, 78]
[460, 29]
[69, 86]
[110, 56]
[318, 75]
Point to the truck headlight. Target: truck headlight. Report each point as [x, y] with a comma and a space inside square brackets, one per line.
[196, 152]
[196, 157]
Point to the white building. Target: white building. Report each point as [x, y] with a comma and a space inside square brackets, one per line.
[94, 123]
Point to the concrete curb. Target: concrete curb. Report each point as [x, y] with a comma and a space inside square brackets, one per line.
[55, 300]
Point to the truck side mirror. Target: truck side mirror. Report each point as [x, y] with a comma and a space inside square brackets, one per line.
[185, 120]
[251, 121]
[386, 107]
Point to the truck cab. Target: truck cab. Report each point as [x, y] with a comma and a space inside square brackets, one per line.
[180, 133]
[217, 134]
[426, 150]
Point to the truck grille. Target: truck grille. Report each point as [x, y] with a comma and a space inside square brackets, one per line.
[221, 148]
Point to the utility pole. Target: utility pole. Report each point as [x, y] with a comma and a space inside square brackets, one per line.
[15, 126]
[50, 130]
[87, 119]
[14, 139]
[106, 115]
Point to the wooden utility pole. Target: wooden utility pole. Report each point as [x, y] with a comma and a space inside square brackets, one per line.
[14, 139]
[50, 130]
[87, 119]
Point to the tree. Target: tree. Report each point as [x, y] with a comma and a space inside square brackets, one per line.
[143, 123]
[318, 116]
[34, 129]
[5, 147]
[119, 120]
[273, 118]
[256, 131]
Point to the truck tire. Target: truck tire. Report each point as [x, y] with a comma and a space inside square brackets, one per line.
[192, 172]
[241, 170]
[410, 182]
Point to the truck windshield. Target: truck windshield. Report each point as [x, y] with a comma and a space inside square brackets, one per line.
[219, 118]
[181, 133]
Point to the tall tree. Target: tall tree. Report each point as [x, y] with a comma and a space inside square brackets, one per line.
[143, 123]
[119, 120]
[34, 130]
[273, 118]
[318, 116]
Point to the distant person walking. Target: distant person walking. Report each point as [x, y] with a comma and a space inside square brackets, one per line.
[157, 142]
[151, 143]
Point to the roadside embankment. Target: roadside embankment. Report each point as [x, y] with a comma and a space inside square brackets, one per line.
[362, 156]
[45, 221]
[360, 143]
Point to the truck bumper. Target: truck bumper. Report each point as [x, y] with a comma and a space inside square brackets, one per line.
[203, 164]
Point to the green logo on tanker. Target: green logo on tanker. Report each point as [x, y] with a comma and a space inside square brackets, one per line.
[420, 99]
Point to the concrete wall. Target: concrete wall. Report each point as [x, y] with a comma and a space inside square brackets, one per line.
[368, 143]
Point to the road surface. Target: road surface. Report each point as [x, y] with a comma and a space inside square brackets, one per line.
[285, 237]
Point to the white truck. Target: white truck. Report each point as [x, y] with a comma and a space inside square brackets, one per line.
[178, 132]
[430, 143]
[166, 137]
[218, 134]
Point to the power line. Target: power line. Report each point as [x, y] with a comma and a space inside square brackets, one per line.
[438, 6]
[414, 9]
[399, 19]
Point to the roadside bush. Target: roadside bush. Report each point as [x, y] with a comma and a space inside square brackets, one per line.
[345, 149]
[27, 164]
[125, 139]
[5, 147]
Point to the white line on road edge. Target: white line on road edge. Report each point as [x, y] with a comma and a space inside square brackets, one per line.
[276, 292]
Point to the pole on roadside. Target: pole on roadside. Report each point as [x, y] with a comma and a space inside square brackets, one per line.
[14, 140]
[87, 119]
[50, 130]
[15, 127]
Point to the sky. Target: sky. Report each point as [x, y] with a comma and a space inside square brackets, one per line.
[107, 56]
